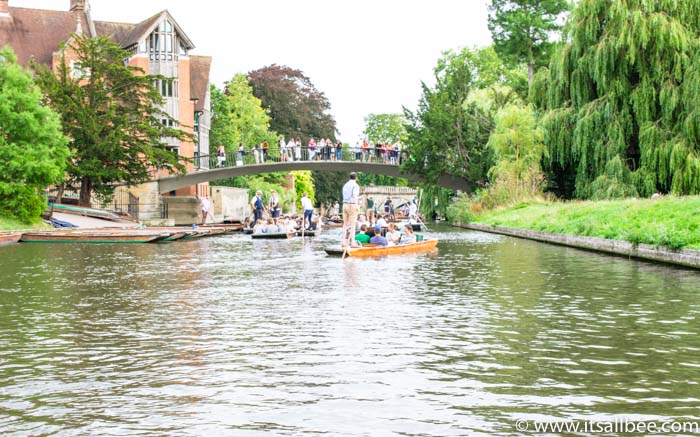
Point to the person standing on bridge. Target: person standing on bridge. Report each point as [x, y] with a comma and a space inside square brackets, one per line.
[283, 150]
[351, 196]
[265, 150]
[312, 149]
[241, 152]
[290, 150]
[297, 150]
[256, 153]
[220, 156]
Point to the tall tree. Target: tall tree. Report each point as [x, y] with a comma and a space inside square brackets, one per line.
[296, 107]
[448, 133]
[522, 29]
[620, 99]
[33, 150]
[112, 114]
[238, 116]
[386, 127]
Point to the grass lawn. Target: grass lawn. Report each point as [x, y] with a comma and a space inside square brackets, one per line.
[672, 222]
[10, 224]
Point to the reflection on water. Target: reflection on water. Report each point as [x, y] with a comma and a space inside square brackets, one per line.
[239, 337]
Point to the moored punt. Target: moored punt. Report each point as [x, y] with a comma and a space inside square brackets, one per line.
[200, 233]
[272, 236]
[369, 250]
[308, 233]
[228, 228]
[9, 238]
[95, 236]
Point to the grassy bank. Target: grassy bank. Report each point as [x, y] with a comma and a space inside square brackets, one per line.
[672, 222]
[10, 224]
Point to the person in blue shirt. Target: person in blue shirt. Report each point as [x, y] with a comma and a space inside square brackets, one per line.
[378, 239]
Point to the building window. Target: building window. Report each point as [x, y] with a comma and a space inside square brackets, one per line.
[196, 121]
[77, 71]
[167, 87]
[161, 43]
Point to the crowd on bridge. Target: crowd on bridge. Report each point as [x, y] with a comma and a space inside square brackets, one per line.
[324, 149]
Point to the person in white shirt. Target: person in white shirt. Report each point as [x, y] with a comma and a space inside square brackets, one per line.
[351, 195]
[412, 209]
[283, 150]
[206, 205]
[308, 209]
[290, 150]
[382, 222]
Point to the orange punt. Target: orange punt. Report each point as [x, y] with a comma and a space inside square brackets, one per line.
[370, 250]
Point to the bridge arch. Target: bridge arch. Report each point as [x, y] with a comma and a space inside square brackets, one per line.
[171, 183]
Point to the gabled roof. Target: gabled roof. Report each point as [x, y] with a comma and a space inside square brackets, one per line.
[37, 33]
[143, 29]
[200, 66]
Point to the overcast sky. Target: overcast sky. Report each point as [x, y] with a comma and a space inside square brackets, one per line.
[367, 56]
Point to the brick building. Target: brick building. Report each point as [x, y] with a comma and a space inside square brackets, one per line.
[159, 46]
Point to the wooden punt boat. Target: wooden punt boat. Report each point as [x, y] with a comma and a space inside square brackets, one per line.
[95, 237]
[369, 250]
[272, 236]
[9, 238]
[227, 227]
[248, 231]
[309, 233]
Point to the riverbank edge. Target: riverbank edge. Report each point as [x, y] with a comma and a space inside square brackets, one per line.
[681, 257]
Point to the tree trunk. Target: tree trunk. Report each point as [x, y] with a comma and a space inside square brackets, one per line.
[85, 192]
[530, 73]
[59, 194]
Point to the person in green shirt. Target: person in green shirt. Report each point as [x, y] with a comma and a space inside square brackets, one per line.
[362, 236]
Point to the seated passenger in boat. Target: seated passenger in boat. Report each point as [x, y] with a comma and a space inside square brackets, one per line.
[408, 235]
[271, 227]
[393, 235]
[260, 227]
[361, 220]
[378, 239]
[382, 221]
[282, 225]
[362, 237]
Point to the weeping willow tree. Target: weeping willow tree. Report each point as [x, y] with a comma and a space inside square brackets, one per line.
[619, 99]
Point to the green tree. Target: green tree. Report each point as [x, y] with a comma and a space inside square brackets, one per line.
[33, 151]
[448, 133]
[619, 100]
[521, 29]
[386, 127]
[238, 117]
[297, 109]
[112, 114]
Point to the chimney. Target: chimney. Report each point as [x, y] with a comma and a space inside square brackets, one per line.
[4, 8]
[78, 5]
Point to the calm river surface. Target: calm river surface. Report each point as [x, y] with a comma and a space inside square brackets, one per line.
[229, 336]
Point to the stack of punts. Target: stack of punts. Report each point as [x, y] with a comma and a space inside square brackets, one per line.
[228, 228]
[9, 238]
[94, 236]
[371, 250]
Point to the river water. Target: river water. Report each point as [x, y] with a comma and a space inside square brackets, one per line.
[230, 336]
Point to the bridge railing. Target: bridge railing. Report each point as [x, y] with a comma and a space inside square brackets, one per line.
[277, 155]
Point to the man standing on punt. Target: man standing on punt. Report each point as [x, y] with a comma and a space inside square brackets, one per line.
[351, 195]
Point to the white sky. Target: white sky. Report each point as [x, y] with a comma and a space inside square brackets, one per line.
[366, 56]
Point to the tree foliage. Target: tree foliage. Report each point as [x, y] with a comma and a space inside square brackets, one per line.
[386, 127]
[449, 131]
[238, 117]
[620, 99]
[297, 109]
[33, 150]
[521, 29]
[112, 114]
